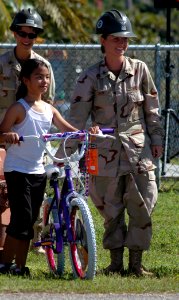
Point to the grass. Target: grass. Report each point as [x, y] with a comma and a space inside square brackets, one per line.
[168, 184]
[172, 183]
[163, 259]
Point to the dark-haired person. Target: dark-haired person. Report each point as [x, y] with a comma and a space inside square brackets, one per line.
[23, 168]
[26, 26]
[119, 92]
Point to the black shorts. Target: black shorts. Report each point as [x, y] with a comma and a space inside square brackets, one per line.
[25, 194]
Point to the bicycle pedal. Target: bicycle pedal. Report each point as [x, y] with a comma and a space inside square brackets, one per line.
[47, 242]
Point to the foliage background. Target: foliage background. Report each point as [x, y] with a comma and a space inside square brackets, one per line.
[67, 21]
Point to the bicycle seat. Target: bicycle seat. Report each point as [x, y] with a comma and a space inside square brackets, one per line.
[51, 169]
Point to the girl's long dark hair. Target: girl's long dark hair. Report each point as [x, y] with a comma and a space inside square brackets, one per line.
[27, 69]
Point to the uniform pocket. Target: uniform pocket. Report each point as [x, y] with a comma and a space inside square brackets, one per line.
[138, 139]
[135, 100]
[151, 175]
[135, 96]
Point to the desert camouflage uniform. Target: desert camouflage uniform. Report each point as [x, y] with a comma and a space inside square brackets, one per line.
[126, 179]
[9, 83]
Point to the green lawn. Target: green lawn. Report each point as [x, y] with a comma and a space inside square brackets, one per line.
[163, 259]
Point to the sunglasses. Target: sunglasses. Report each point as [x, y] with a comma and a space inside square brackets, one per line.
[24, 34]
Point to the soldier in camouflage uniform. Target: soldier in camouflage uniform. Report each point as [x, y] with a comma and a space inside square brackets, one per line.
[26, 26]
[119, 92]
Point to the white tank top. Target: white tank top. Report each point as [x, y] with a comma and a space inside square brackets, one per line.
[28, 157]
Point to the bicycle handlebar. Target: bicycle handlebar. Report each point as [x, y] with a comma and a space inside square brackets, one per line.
[81, 134]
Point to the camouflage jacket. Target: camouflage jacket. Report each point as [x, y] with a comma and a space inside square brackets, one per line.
[129, 104]
[9, 72]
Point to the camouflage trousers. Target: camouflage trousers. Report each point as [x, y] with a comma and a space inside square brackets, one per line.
[134, 194]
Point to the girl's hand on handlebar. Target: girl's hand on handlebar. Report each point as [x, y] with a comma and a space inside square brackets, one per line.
[10, 138]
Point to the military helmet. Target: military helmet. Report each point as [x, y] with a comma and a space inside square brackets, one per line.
[116, 23]
[27, 17]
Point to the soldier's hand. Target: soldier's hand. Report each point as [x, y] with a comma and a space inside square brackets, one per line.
[94, 129]
[157, 151]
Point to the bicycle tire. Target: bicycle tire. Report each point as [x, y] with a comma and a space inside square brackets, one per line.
[55, 261]
[82, 252]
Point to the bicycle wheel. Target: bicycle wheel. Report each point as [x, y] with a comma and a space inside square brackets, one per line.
[56, 261]
[83, 248]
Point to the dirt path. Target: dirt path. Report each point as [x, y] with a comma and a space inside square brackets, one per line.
[47, 296]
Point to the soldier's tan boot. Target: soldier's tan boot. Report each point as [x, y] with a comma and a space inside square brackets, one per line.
[116, 265]
[135, 264]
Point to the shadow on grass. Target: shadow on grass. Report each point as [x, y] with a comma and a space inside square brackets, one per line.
[165, 271]
[65, 276]
[158, 272]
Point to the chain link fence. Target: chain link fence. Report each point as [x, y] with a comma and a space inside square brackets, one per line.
[68, 61]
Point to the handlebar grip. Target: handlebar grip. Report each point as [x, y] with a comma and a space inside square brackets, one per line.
[21, 139]
[107, 130]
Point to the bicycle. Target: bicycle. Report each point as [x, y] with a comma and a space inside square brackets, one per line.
[67, 219]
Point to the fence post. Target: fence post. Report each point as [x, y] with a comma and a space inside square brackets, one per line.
[158, 83]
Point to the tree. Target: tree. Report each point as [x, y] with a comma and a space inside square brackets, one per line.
[7, 10]
[65, 20]
[5, 21]
[148, 23]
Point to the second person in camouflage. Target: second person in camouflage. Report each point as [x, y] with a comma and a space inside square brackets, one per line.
[119, 92]
[26, 26]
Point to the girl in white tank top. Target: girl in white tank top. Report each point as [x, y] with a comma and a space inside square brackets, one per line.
[24, 170]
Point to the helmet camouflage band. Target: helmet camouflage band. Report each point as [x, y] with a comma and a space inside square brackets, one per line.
[27, 17]
[116, 23]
